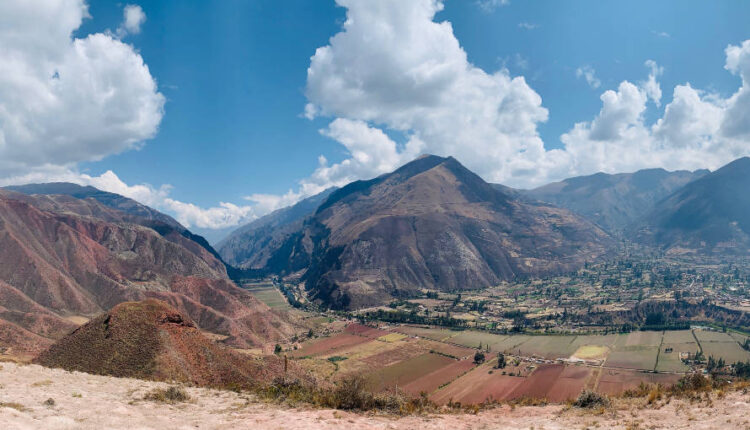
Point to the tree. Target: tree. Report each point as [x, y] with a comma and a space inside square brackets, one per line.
[478, 358]
[277, 349]
[500, 360]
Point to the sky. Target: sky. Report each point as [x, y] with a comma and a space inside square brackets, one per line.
[220, 112]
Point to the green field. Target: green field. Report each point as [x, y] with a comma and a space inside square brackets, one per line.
[268, 294]
[548, 346]
[670, 361]
[636, 350]
[642, 357]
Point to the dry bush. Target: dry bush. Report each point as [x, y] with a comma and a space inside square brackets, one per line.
[351, 393]
[169, 395]
[590, 400]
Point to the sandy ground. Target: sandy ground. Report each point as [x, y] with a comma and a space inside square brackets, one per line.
[84, 401]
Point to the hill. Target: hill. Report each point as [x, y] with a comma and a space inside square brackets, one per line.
[126, 209]
[430, 224]
[710, 214]
[152, 340]
[614, 202]
[66, 259]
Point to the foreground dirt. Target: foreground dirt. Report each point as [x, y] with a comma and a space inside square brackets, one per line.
[83, 401]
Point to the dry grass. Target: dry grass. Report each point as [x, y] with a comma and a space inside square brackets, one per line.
[592, 400]
[13, 405]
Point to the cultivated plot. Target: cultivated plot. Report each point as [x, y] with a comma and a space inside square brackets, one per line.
[404, 372]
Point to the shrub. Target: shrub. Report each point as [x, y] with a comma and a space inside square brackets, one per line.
[169, 395]
[590, 399]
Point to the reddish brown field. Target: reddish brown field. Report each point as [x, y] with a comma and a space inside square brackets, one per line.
[477, 386]
[407, 371]
[614, 382]
[433, 380]
[554, 382]
[452, 350]
[363, 330]
[411, 349]
[329, 345]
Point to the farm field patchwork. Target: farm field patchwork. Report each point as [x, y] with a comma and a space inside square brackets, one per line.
[642, 357]
[434, 380]
[712, 336]
[731, 352]
[615, 381]
[473, 339]
[639, 338]
[549, 347]
[404, 372]
[669, 356]
[679, 336]
[554, 382]
[408, 357]
[366, 331]
[477, 386]
[329, 345]
[439, 334]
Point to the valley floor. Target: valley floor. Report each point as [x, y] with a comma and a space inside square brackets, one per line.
[84, 401]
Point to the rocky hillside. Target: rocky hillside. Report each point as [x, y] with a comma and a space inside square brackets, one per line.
[125, 209]
[246, 247]
[66, 259]
[711, 214]
[152, 340]
[430, 224]
[614, 202]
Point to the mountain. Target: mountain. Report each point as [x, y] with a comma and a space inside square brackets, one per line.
[430, 224]
[245, 247]
[152, 340]
[67, 259]
[139, 213]
[710, 214]
[614, 202]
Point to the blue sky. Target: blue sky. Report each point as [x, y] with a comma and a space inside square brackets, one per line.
[235, 84]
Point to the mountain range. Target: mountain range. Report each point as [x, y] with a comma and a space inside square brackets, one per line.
[434, 224]
[431, 224]
[614, 202]
[70, 253]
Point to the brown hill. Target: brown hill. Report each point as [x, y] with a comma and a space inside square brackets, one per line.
[430, 224]
[152, 340]
[65, 260]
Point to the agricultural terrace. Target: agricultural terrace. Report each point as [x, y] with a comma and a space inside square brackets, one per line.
[462, 365]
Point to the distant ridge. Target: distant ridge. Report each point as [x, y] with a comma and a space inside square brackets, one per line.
[710, 214]
[614, 201]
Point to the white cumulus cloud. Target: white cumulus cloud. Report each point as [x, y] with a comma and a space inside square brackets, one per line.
[392, 66]
[63, 99]
[589, 74]
[133, 17]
